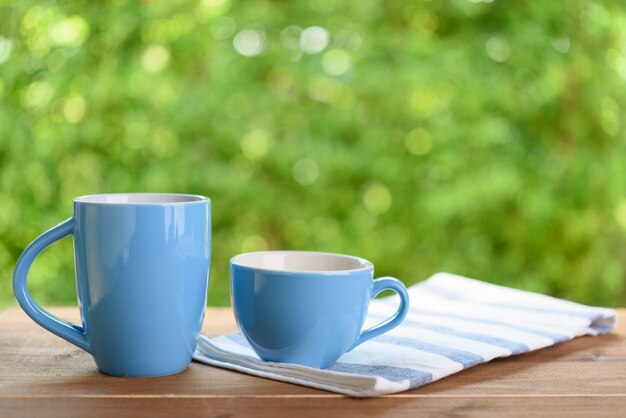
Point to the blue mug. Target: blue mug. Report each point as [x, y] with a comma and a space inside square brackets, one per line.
[307, 307]
[142, 265]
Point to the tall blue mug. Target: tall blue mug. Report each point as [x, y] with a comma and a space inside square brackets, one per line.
[142, 270]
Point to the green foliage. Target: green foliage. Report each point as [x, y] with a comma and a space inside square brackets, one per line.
[482, 138]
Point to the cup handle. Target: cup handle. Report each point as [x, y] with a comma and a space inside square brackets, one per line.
[386, 283]
[64, 329]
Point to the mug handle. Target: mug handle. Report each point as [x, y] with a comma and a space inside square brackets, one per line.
[386, 283]
[64, 329]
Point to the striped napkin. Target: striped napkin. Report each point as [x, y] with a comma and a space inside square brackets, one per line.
[453, 323]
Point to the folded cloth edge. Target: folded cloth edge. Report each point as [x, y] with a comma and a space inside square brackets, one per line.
[363, 386]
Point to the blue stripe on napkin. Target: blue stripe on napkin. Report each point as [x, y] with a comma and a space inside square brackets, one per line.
[416, 378]
[557, 338]
[515, 347]
[465, 358]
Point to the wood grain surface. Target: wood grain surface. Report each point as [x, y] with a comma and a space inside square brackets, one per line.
[42, 375]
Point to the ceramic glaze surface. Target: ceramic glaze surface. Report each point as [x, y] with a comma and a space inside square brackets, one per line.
[142, 265]
[293, 314]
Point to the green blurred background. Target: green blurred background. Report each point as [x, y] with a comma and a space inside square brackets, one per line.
[483, 138]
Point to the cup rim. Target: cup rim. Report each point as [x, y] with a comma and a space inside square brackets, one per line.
[366, 264]
[143, 199]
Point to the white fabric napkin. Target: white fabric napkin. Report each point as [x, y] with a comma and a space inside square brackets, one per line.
[453, 323]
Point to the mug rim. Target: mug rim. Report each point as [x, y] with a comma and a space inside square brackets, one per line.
[365, 264]
[149, 199]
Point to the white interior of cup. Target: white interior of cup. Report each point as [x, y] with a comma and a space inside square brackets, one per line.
[301, 261]
[140, 198]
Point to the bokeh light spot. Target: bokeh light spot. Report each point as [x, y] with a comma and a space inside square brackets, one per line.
[561, 44]
[37, 95]
[5, 49]
[290, 37]
[418, 141]
[255, 143]
[377, 198]
[249, 42]
[305, 171]
[74, 108]
[328, 90]
[314, 39]
[609, 117]
[155, 58]
[253, 243]
[163, 142]
[425, 21]
[33, 18]
[428, 100]
[620, 213]
[498, 49]
[72, 31]
[56, 60]
[617, 61]
[336, 62]
[323, 89]
[214, 7]
[162, 31]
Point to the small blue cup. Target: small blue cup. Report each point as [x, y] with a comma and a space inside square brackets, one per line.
[142, 265]
[307, 307]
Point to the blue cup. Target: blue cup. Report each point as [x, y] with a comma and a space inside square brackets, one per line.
[142, 265]
[307, 307]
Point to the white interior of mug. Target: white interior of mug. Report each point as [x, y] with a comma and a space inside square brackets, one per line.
[140, 198]
[301, 261]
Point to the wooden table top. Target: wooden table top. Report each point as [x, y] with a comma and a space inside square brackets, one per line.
[42, 375]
